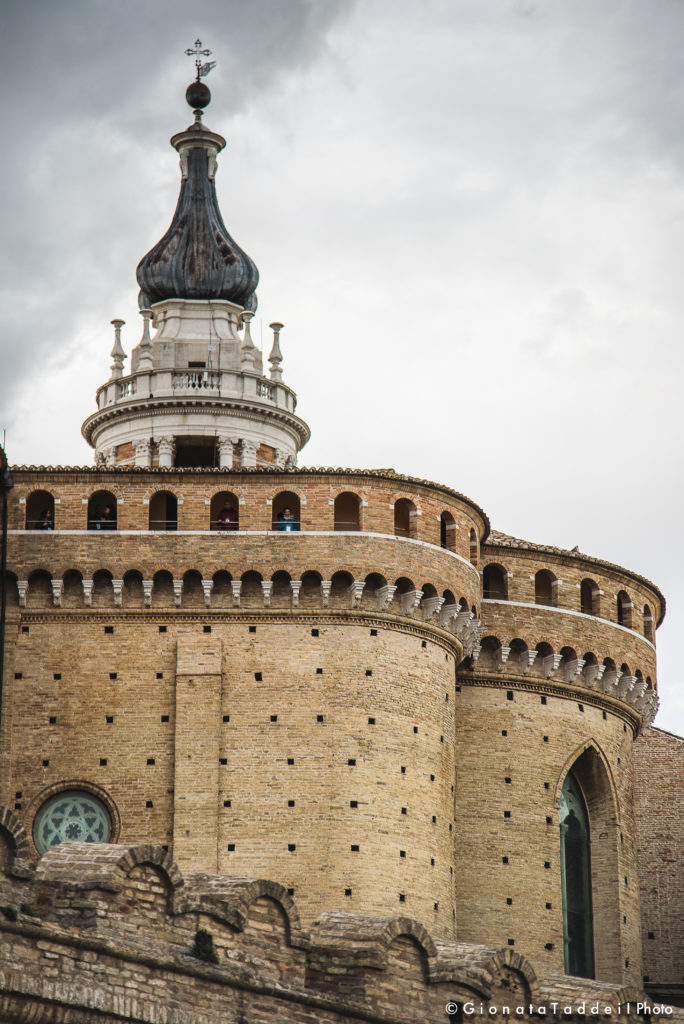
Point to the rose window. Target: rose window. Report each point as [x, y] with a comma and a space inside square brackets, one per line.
[76, 816]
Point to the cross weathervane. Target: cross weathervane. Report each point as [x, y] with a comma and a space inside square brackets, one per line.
[197, 52]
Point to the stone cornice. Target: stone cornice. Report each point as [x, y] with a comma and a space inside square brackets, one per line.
[142, 409]
[532, 684]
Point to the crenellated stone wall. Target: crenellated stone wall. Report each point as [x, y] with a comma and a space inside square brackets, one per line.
[111, 933]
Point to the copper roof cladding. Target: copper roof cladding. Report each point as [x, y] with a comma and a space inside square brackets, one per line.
[197, 258]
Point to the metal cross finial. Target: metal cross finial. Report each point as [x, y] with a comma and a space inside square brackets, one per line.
[196, 51]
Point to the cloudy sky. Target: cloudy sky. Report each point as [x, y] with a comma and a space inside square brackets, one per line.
[469, 215]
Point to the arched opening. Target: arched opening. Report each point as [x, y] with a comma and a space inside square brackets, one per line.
[102, 511]
[193, 594]
[72, 595]
[40, 511]
[545, 588]
[447, 531]
[162, 589]
[133, 589]
[163, 511]
[281, 592]
[286, 512]
[103, 592]
[494, 583]
[592, 924]
[569, 664]
[310, 595]
[490, 653]
[224, 511]
[374, 583]
[39, 589]
[589, 597]
[624, 609]
[648, 623]
[347, 511]
[222, 591]
[474, 555]
[518, 658]
[575, 862]
[340, 589]
[251, 591]
[405, 514]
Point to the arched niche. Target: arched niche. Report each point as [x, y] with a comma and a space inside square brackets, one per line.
[163, 512]
[495, 582]
[40, 511]
[405, 517]
[286, 512]
[224, 512]
[102, 511]
[347, 514]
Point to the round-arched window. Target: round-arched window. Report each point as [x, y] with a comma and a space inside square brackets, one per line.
[72, 815]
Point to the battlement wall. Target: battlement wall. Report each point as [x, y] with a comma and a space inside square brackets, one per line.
[115, 933]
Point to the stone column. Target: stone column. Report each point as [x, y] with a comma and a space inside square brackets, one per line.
[142, 453]
[167, 450]
[248, 454]
[225, 447]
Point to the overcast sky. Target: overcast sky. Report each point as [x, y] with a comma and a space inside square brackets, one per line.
[469, 215]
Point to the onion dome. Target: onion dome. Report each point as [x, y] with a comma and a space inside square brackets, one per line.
[197, 258]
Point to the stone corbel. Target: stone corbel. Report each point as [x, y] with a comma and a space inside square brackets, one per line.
[503, 653]
[462, 616]
[448, 616]
[472, 632]
[530, 657]
[325, 592]
[610, 680]
[177, 593]
[475, 654]
[267, 590]
[410, 601]
[57, 591]
[296, 587]
[280, 458]
[236, 587]
[651, 708]
[626, 685]
[356, 592]
[87, 592]
[22, 590]
[117, 587]
[207, 587]
[639, 690]
[384, 597]
[147, 592]
[431, 606]
[551, 663]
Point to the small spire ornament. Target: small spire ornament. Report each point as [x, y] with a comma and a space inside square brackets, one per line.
[118, 355]
[276, 357]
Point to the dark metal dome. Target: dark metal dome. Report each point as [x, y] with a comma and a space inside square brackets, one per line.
[197, 258]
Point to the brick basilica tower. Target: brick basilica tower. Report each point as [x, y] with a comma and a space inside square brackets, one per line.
[334, 698]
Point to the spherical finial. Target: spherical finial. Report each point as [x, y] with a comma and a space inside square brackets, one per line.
[198, 95]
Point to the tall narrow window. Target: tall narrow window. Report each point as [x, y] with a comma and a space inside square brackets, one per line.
[578, 927]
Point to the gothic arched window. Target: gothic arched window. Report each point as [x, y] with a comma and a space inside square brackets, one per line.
[578, 925]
